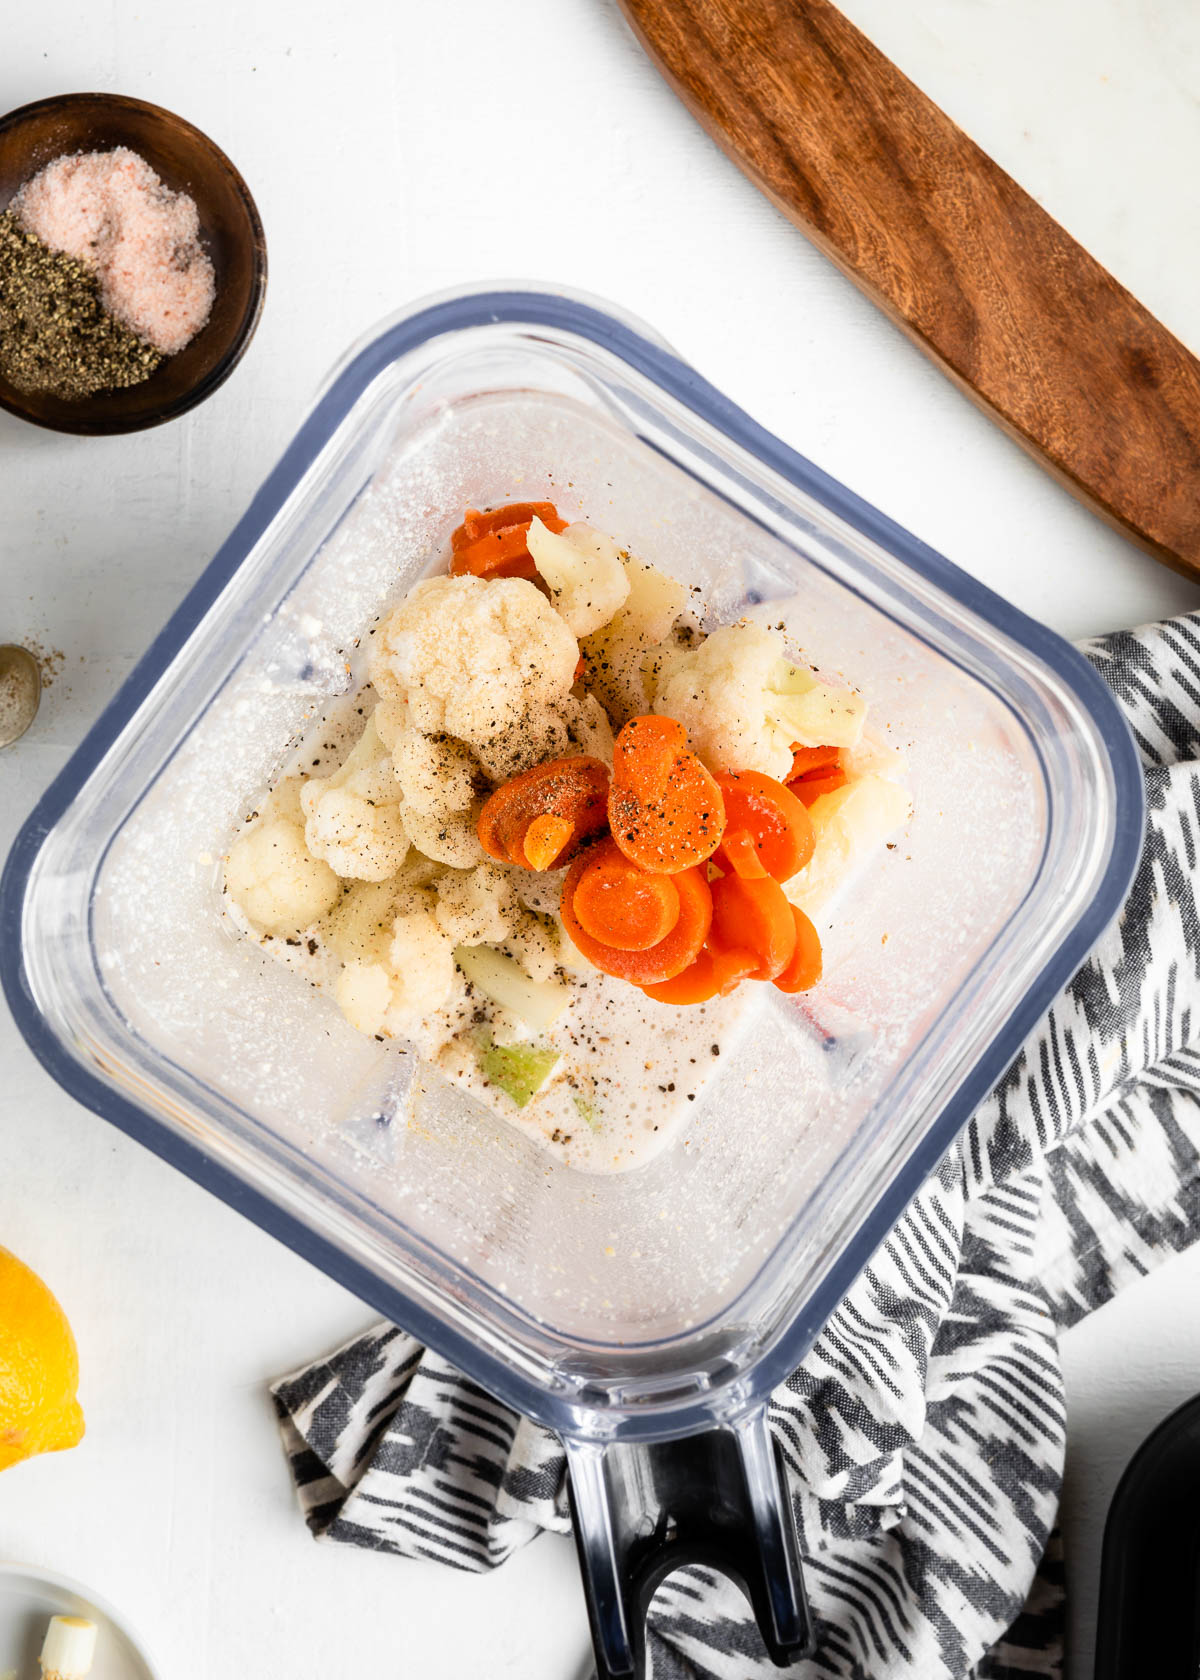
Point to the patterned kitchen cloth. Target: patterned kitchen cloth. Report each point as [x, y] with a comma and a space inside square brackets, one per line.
[923, 1434]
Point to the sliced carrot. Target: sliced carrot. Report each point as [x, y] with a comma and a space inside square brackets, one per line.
[806, 759]
[664, 808]
[713, 974]
[496, 555]
[816, 770]
[545, 839]
[493, 544]
[754, 916]
[804, 969]
[670, 956]
[739, 850]
[810, 788]
[777, 823]
[476, 524]
[621, 905]
[573, 789]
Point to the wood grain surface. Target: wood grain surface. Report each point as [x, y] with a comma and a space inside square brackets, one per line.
[957, 254]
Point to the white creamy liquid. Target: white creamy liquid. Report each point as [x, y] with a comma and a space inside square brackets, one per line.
[630, 1077]
[631, 1070]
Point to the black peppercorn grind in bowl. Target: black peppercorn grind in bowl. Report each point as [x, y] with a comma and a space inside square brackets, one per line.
[67, 344]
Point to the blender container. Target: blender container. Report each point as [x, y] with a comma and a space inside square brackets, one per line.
[643, 1316]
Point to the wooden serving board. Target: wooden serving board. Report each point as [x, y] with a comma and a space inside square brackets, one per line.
[1018, 314]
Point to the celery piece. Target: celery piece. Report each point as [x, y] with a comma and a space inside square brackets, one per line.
[519, 1070]
[585, 1107]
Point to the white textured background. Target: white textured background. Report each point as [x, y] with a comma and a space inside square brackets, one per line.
[395, 147]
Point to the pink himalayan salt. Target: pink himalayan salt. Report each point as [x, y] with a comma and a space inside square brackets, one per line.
[112, 212]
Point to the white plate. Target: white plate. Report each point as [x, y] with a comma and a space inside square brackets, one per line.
[28, 1599]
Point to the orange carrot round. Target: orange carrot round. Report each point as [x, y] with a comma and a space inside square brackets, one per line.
[713, 974]
[751, 915]
[476, 524]
[778, 826]
[545, 839]
[664, 808]
[493, 544]
[621, 905]
[739, 852]
[804, 969]
[816, 770]
[810, 788]
[807, 759]
[572, 789]
[671, 955]
[499, 554]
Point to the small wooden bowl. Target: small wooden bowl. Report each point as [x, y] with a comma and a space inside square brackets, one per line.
[187, 161]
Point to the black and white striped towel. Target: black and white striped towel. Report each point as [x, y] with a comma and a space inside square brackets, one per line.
[924, 1432]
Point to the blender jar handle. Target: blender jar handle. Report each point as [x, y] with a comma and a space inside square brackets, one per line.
[642, 1509]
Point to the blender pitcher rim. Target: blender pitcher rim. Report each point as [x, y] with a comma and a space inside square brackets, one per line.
[352, 377]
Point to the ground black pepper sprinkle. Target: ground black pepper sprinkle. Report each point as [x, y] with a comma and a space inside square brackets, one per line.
[55, 336]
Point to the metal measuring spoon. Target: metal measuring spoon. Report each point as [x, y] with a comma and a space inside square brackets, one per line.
[20, 692]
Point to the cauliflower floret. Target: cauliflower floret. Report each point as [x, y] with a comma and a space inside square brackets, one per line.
[534, 944]
[363, 993]
[477, 906]
[359, 927]
[361, 838]
[439, 780]
[588, 583]
[412, 991]
[271, 875]
[490, 663]
[588, 728]
[483, 906]
[447, 837]
[661, 662]
[539, 890]
[352, 818]
[391, 719]
[436, 774]
[848, 825]
[744, 705]
[618, 655]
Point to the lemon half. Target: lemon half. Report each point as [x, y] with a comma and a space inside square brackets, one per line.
[39, 1368]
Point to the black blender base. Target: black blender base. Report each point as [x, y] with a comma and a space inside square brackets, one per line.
[1149, 1619]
